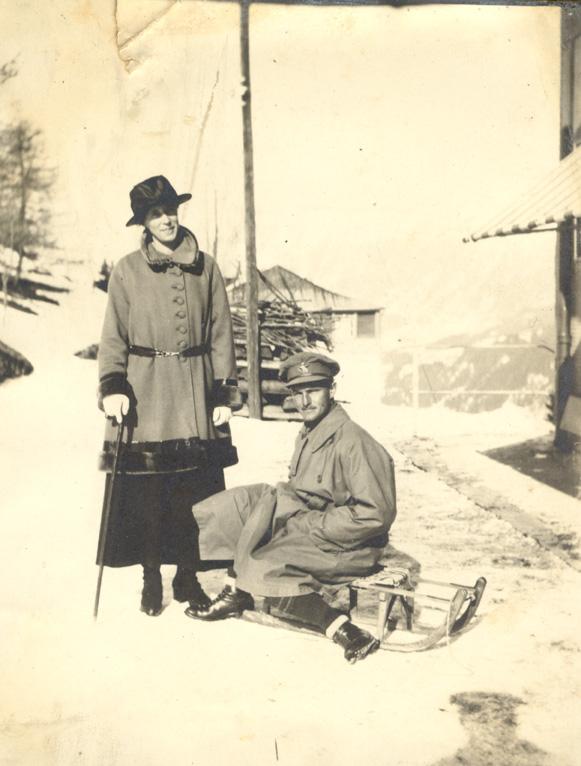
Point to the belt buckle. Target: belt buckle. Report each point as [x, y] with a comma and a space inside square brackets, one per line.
[168, 353]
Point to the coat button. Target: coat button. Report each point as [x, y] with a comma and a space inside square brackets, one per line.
[182, 329]
[182, 343]
[179, 300]
[181, 313]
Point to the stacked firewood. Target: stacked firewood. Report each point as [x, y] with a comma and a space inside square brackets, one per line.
[285, 329]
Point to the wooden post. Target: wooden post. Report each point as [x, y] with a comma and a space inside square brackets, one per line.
[563, 337]
[252, 328]
[568, 283]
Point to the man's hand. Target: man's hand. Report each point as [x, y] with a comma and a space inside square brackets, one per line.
[221, 415]
[116, 406]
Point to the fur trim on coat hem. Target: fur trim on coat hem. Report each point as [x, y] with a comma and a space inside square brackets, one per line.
[166, 457]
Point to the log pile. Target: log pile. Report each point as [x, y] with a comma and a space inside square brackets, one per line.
[284, 329]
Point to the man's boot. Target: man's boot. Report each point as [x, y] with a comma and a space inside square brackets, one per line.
[356, 642]
[229, 603]
[186, 587]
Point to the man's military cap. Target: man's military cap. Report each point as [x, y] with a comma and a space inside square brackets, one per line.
[307, 367]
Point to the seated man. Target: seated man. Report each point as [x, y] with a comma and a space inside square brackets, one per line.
[327, 525]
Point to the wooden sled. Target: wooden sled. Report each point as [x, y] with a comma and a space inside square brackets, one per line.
[399, 600]
[399, 605]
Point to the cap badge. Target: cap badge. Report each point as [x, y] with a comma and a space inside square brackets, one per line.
[303, 369]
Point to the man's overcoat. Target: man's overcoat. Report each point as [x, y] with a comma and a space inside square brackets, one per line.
[327, 525]
[168, 306]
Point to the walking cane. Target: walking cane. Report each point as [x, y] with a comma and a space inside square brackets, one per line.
[105, 517]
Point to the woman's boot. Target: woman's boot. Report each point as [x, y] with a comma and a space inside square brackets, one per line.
[152, 593]
[186, 587]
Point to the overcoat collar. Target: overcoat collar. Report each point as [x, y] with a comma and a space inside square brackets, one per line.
[328, 426]
[187, 255]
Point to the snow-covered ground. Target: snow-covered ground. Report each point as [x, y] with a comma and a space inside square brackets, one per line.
[135, 690]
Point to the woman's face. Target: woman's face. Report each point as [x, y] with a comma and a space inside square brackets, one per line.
[162, 222]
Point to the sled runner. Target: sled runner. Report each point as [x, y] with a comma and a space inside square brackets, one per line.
[402, 607]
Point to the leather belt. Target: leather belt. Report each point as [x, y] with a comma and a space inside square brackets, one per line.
[152, 352]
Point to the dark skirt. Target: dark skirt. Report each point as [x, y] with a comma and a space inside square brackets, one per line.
[151, 520]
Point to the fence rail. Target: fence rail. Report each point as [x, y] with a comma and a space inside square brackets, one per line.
[461, 391]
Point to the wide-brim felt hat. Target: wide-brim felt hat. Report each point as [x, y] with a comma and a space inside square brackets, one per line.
[307, 367]
[154, 191]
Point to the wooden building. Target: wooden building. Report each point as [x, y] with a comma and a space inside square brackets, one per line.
[555, 205]
[351, 320]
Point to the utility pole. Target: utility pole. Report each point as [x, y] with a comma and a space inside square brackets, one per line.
[252, 328]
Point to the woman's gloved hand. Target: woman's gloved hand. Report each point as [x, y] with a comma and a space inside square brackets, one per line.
[116, 406]
[221, 415]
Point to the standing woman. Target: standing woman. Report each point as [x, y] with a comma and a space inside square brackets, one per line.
[167, 369]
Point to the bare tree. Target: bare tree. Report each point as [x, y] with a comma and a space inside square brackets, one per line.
[8, 70]
[25, 183]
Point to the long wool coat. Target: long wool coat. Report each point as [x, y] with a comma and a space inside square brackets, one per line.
[327, 525]
[168, 306]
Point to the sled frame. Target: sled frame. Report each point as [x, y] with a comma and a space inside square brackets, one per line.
[393, 587]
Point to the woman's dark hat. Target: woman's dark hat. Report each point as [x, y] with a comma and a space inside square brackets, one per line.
[156, 190]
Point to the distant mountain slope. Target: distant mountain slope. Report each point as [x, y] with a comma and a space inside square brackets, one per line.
[468, 366]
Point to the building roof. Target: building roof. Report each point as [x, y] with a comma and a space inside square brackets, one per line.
[553, 200]
[278, 282]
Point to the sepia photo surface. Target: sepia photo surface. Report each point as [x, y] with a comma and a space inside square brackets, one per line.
[413, 197]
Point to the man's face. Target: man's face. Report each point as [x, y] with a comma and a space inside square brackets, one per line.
[162, 222]
[313, 400]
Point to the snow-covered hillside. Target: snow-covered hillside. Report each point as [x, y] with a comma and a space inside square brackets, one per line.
[467, 366]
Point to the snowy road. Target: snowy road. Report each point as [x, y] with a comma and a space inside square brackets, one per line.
[136, 690]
